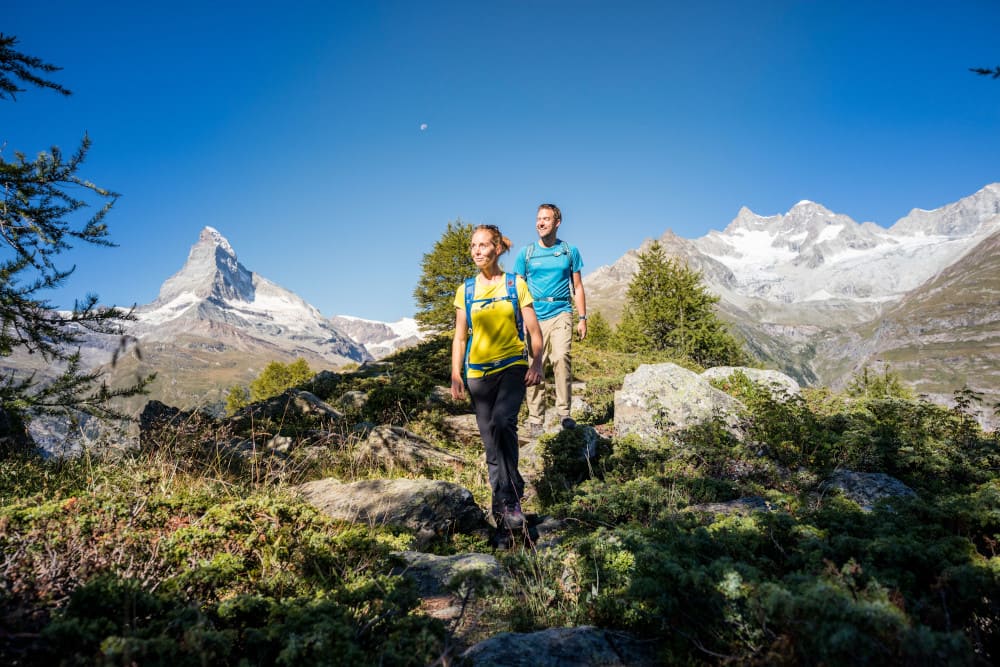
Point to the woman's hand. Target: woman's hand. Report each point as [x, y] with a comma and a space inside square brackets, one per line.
[457, 389]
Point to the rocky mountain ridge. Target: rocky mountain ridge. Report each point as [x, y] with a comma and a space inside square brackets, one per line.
[379, 338]
[819, 295]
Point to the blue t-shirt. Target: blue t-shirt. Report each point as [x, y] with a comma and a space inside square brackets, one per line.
[549, 275]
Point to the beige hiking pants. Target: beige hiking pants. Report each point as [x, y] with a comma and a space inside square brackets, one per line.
[557, 336]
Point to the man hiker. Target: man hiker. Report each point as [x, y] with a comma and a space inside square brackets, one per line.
[551, 267]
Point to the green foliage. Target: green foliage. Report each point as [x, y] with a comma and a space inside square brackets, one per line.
[812, 581]
[147, 572]
[668, 308]
[718, 543]
[278, 377]
[237, 398]
[599, 332]
[38, 221]
[566, 462]
[872, 385]
[397, 389]
[442, 270]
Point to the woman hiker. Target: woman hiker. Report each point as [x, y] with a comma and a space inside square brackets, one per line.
[494, 308]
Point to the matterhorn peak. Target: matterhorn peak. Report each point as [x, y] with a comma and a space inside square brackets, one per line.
[211, 271]
[213, 236]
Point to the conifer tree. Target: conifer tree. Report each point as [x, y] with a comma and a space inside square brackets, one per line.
[40, 216]
[870, 384]
[599, 333]
[444, 268]
[668, 308]
[237, 398]
[277, 377]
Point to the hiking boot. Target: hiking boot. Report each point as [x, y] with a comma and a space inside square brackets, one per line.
[568, 424]
[502, 539]
[512, 517]
[534, 430]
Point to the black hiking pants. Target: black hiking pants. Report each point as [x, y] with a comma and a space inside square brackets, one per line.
[497, 399]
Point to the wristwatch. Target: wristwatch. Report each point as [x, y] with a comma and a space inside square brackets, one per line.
[583, 318]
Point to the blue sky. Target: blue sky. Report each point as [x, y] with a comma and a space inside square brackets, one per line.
[294, 128]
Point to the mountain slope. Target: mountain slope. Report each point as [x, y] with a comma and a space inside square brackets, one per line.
[945, 334]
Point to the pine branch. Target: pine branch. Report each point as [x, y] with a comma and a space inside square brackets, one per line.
[14, 64]
[992, 73]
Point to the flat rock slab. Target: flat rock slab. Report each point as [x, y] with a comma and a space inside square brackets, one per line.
[394, 446]
[425, 506]
[867, 488]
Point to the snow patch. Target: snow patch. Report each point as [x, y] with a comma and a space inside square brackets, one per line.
[754, 251]
[170, 310]
[829, 233]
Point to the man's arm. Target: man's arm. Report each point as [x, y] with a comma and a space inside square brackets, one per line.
[581, 304]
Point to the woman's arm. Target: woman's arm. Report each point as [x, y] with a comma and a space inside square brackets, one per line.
[458, 354]
[534, 374]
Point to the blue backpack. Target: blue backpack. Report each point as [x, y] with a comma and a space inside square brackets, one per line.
[470, 291]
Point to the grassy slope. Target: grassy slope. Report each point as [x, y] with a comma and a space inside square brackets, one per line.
[816, 581]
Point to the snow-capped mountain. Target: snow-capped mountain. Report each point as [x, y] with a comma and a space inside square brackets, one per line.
[216, 296]
[813, 254]
[814, 292]
[216, 324]
[379, 338]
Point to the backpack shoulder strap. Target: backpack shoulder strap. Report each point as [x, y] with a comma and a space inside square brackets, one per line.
[512, 295]
[470, 294]
[569, 266]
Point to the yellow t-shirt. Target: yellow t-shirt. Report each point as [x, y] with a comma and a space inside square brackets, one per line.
[494, 331]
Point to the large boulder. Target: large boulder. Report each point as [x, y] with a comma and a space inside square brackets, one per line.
[289, 406]
[427, 507]
[161, 424]
[583, 646]
[777, 382]
[464, 429]
[659, 398]
[867, 488]
[395, 447]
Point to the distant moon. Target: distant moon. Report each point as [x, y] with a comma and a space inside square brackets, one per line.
[423, 126]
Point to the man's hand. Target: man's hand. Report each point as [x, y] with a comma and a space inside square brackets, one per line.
[581, 329]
